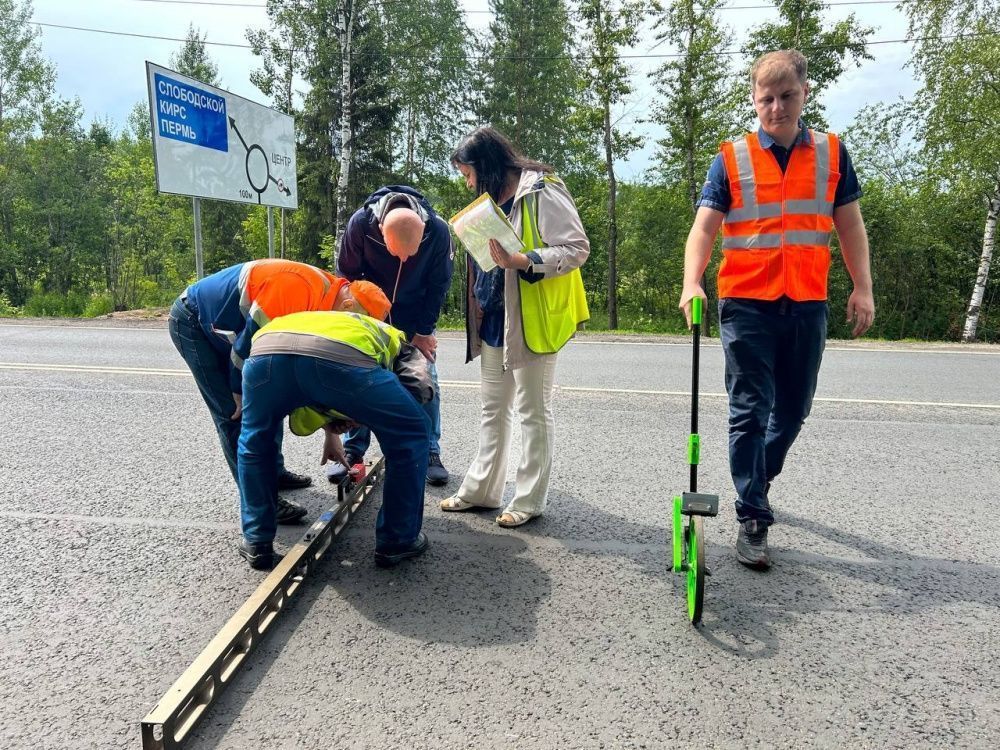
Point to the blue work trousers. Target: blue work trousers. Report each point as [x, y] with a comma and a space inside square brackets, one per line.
[210, 368]
[276, 384]
[773, 352]
[357, 441]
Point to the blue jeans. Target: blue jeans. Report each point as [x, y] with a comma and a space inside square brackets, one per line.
[210, 368]
[275, 384]
[357, 441]
[773, 352]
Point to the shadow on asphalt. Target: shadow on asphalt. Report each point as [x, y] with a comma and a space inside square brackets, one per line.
[443, 597]
[747, 610]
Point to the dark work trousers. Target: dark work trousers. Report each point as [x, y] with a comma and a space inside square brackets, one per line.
[773, 352]
[276, 384]
[210, 369]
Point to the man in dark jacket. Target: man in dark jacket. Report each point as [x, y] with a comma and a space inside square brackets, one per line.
[396, 241]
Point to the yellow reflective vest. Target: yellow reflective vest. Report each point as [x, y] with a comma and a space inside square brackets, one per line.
[371, 337]
[553, 308]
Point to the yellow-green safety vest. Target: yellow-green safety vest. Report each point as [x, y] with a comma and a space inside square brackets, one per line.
[378, 340]
[551, 309]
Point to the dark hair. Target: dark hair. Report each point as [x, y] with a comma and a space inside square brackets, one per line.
[493, 156]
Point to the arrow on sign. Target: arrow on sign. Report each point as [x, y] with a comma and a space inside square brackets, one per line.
[232, 124]
[281, 185]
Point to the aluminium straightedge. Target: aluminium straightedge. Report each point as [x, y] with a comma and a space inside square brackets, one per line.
[184, 705]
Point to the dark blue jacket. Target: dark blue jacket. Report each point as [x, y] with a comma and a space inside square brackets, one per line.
[425, 277]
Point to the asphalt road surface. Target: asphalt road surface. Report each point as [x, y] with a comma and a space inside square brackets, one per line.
[878, 626]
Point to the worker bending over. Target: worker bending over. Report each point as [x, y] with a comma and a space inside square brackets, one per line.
[212, 324]
[319, 367]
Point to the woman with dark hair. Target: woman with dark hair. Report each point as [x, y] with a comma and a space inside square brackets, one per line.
[518, 316]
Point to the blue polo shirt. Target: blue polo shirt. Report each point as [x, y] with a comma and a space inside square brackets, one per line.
[715, 192]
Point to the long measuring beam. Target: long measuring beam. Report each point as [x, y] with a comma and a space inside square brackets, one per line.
[187, 701]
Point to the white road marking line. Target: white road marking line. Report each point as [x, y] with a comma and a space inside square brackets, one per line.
[113, 370]
[85, 328]
[475, 384]
[715, 344]
[707, 343]
[878, 402]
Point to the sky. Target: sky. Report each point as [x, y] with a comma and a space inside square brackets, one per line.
[107, 72]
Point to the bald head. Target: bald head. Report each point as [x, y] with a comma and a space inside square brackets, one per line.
[402, 229]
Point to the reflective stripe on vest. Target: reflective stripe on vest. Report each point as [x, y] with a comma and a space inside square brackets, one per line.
[376, 339]
[553, 308]
[783, 218]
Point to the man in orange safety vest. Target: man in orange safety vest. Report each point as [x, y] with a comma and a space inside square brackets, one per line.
[776, 194]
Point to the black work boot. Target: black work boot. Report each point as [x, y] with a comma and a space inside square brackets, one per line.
[289, 480]
[289, 512]
[261, 555]
[751, 545]
[437, 475]
[386, 558]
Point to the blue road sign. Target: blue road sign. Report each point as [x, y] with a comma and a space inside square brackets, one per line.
[190, 114]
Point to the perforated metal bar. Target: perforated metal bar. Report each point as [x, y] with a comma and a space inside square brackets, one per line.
[184, 705]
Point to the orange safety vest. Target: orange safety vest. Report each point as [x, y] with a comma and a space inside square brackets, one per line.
[776, 234]
[272, 287]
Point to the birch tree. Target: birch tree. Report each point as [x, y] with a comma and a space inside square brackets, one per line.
[608, 31]
[428, 44]
[958, 57]
[692, 107]
[345, 35]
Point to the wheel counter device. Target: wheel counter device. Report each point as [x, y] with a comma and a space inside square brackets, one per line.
[689, 541]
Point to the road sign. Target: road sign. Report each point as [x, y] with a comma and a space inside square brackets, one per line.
[209, 143]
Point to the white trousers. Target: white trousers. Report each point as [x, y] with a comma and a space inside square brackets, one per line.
[530, 387]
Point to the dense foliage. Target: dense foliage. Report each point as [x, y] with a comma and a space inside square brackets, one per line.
[84, 232]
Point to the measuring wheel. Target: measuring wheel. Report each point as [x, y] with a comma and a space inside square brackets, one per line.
[689, 546]
[694, 546]
[689, 540]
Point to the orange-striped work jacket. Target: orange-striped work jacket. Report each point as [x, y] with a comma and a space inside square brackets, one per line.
[272, 287]
[233, 303]
[776, 234]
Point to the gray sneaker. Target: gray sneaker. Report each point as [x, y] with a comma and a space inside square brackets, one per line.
[751, 545]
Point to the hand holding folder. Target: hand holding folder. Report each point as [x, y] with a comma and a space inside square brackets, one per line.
[478, 223]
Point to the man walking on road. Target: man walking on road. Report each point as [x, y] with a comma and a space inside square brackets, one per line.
[212, 324]
[776, 194]
[397, 241]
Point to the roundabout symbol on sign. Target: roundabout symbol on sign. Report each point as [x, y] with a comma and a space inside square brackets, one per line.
[253, 170]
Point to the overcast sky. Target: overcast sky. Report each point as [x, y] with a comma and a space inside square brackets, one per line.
[107, 72]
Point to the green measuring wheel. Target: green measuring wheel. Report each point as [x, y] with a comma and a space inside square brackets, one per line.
[689, 540]
[695, 548]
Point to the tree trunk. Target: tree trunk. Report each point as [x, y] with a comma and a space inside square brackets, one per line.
[345, 29]
[411, 144]
[989, 240]
[689, 114]
[612, 221]
[289, 75]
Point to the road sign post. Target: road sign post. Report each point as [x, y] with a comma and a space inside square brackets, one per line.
[270, 232]
[199, 257]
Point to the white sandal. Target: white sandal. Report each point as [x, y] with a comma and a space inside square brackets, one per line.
[517, 518]
[455, 504]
